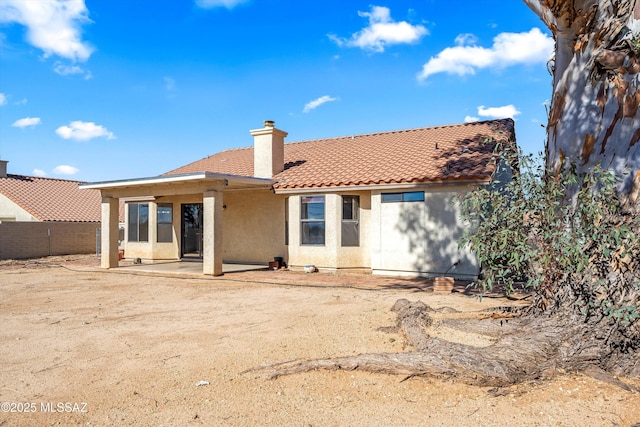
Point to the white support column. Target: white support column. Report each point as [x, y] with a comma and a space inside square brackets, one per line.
[109, 233]
[212, 233]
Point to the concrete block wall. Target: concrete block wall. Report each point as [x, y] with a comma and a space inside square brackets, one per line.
[21, 240]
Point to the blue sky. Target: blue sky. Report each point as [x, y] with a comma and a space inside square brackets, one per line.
[98, 90]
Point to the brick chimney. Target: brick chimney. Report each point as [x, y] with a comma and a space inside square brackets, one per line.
[268, 150]
[3, 168]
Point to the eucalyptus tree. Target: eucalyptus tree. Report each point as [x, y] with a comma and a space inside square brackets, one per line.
[594, 117]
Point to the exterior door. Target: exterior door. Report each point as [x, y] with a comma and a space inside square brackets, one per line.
[192, 230]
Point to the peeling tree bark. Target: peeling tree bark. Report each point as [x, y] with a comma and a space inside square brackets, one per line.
[594, 117]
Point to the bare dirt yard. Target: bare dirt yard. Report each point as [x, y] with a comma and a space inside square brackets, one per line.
[84, 346]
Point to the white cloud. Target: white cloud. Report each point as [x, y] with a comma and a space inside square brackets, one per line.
[210, 4]
[318, 102]
[67, 70]
[489, 113]
[83, 131]
[39, 172]
[3, 99]
[65, 170]
[26, 122]
[508, 49]
[507, 111]
[466, 39]
[23, 101]
[381, 32]
[52, 25]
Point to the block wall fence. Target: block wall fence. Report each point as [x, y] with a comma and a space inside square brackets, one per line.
[21, 240]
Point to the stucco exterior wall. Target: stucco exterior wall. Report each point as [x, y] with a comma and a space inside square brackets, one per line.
[420, 238]
[154, 249]
[332, 255]
[322, 256]
[10, 211]
[356, 257]
[403, 238]
[144, 250]
[253, 228]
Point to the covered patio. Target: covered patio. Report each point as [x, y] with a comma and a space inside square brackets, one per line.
[206, 188]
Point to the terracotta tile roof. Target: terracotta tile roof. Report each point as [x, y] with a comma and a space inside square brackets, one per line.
[433, 154]
[49, 199]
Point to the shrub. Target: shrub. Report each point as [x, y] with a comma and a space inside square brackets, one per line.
[566, 237]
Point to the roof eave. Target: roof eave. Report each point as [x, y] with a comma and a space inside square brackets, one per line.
[384, 186]
[180, 178]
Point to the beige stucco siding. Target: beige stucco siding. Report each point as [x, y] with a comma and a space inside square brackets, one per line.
[144, 250]
[10, 211]
[253, 226]
[407, 238]
[152, 249]
[164, 250]
[332, 255]
[420, 238]
[322, 256]
[412, 238]
[356, 257]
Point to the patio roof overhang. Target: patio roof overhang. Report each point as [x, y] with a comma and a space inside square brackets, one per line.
[168, 185]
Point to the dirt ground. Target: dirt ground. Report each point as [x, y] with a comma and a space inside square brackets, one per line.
[84, 346]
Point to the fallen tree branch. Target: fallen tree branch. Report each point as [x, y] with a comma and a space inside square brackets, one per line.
[537, 348]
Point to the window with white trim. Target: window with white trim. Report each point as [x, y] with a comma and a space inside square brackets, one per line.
[312, 223]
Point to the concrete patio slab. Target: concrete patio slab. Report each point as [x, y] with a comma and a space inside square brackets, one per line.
[187, 267]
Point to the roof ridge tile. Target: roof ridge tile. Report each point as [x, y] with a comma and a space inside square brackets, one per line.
[17, 176]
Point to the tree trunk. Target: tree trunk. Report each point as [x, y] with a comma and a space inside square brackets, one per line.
[594, 117]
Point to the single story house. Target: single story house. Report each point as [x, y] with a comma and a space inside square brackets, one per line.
[46, 216]
[378, 202]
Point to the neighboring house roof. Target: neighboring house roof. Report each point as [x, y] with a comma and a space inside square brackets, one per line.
[433, 154]
[49, 199]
